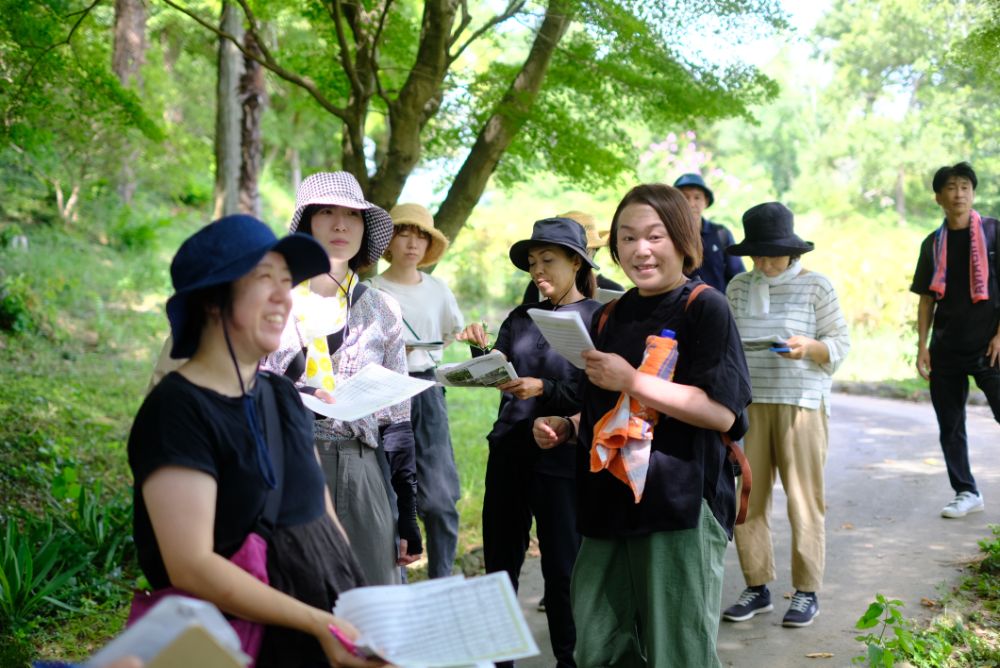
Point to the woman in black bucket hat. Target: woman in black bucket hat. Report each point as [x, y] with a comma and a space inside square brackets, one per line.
[338, 327]
[215, 444]
[794, 337]
[522, 482]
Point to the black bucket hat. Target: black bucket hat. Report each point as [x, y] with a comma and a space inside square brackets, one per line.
[564, 232]
[224, 251]
[769, 232]
[693, 180]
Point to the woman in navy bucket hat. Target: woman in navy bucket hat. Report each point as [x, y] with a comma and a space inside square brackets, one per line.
[522, 482]
[338, 327]
[216, 442]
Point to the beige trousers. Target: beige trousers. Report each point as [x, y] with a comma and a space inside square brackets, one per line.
[792, 441]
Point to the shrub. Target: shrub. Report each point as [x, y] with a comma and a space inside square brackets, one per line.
[17, 303]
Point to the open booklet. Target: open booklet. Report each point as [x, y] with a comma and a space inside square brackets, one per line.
[369, 390]
[489, 370]
[445, 622]
[565, 332]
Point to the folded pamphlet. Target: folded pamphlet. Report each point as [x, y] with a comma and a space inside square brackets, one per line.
[489, 370]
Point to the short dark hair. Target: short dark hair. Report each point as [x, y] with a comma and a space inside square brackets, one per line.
[962, 170]
[675, 214]
[360, 260]
[200, 303]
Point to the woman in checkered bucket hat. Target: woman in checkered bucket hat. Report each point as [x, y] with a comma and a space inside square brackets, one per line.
[339, 326]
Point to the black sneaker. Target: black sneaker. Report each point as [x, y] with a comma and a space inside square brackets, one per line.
[753, 601]
[803, 610]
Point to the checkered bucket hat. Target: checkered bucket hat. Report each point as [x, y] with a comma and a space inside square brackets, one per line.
[342, 189]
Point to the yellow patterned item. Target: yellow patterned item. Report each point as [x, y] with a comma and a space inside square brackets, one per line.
[318, 317]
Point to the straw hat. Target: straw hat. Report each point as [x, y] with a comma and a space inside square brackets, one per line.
[420, 217]
[596, 237]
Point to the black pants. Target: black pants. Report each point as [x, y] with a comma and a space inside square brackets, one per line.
[949, 392]
[514, 494]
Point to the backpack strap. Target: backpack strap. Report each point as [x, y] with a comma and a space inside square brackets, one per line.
[602, 320]
[276, 448]
[736, 455]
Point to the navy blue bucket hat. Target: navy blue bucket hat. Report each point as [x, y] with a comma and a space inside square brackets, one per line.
[224, 251]
[693, 180]
[564, 232]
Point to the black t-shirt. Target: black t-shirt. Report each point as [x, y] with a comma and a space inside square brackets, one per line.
[531, 356]
[960, 327]
[687, 463]
[182, 424]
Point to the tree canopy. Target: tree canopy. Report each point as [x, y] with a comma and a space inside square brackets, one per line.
[466, 89]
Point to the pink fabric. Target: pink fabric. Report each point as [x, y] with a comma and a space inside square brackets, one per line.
[978, 264]
[251, 557]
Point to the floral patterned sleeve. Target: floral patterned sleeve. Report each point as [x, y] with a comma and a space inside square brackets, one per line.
[394, 356]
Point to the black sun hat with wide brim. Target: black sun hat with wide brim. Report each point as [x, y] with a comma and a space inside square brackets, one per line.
[769, 232]
[564, 232]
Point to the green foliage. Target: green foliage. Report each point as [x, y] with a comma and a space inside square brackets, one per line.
[16, 305]
[885, 651]
[990, 565]
[33, 569]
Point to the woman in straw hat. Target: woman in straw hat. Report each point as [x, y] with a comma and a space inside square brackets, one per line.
[216, 442]
[780, 301]
[430, 318]
[338, 327]
[522, 482]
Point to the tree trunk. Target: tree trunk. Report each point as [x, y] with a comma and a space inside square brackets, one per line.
[127, 59]
[253, 96]
[504, 124]
[228, 116]
[418, 101]
[900, 195]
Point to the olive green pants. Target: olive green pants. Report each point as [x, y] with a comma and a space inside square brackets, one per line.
[651, 600]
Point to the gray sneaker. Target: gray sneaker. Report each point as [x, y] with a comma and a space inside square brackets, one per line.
[752, 601]
[963, 504]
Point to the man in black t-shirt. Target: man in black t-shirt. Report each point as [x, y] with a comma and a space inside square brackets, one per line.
[956, 278]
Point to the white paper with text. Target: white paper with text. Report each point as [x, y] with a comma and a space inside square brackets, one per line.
[565, 332]
[446, 622]
[369, 390]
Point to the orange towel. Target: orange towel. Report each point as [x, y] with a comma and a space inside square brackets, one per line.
[624, 435]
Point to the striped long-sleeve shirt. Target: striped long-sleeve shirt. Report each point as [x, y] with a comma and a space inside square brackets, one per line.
[805, 305]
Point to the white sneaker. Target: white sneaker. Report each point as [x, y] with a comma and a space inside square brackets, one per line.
[963, 504]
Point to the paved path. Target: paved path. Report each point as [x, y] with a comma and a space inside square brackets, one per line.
[886, 484]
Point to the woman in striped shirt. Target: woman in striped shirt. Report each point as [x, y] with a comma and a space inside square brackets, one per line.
[794, 336]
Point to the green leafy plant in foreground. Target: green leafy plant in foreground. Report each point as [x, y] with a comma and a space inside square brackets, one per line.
[896, 639]
[32, 570]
